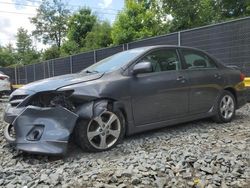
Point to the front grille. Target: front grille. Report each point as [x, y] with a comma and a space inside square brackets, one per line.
[17, 99]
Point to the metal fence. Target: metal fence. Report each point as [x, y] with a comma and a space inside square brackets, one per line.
[229, 42]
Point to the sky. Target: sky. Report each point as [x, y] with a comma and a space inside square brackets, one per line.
[16, 13]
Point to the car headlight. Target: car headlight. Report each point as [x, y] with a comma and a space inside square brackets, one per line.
[52, 99]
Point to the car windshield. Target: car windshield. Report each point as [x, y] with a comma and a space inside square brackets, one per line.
[115, 62]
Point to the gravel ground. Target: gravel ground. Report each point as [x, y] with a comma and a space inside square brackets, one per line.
[196, 154]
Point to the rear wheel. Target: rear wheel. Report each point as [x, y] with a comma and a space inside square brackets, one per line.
[225, 108]
[100, 133]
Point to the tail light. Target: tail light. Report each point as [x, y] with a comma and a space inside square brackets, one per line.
[242, 77]
[3, 77]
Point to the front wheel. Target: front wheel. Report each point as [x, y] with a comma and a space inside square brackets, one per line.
[225, 108]
[100, 133]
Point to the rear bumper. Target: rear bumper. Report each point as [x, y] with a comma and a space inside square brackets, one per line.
[248, 94]
[41, 130]
[242, 96]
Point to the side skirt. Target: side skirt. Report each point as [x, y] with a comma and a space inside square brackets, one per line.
[136, 129]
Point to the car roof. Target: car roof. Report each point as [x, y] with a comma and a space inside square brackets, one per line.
[166, 46]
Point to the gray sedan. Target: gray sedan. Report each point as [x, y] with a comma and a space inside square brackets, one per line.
[130, 92]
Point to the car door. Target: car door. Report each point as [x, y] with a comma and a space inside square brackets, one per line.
[162, 94]
[205, 80]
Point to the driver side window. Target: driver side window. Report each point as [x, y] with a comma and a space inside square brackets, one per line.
[163, 60]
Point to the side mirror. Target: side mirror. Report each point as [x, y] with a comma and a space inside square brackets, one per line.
[142, 67]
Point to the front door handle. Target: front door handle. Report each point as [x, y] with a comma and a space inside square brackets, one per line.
[181, 79]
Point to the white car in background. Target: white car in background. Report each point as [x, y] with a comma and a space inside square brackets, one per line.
[5, 85]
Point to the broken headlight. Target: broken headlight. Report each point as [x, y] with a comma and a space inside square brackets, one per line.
[53, 99]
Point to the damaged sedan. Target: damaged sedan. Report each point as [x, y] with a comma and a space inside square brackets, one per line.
[130, 92]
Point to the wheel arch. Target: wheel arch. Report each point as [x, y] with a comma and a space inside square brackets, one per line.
[233, 92]
[95, 107]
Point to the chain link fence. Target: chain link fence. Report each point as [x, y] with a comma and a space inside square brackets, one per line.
[229, 42]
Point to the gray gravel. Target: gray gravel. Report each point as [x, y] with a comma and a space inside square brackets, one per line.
[196, 154]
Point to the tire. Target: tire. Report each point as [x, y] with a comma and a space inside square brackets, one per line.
[89, 134]
[9, 134]
[225, 108]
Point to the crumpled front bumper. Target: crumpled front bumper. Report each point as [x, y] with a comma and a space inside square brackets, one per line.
[43, 130]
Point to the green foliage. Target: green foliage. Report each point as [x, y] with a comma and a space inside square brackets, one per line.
[51, 53]
[69, 47]
[25, 52]
[24, 42]
[195, 13]
[138, 20]
[190, 14]
[99, 36]
[80, 23]
[50, 22]
[83, 31]
[233, 8]
[6, 57]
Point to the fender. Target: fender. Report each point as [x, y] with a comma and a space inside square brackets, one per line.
[92, 109]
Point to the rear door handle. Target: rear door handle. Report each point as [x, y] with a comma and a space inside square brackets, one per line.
[217, 75]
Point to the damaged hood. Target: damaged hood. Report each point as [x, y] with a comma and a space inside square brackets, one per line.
[60, 81]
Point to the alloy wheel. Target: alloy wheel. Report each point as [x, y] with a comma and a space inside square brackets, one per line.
[227, 107]
[104, 130]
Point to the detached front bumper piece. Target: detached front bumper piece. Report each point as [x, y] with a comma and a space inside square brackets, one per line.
[43, 130]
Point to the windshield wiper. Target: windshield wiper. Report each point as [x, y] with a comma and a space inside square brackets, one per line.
[92, 71]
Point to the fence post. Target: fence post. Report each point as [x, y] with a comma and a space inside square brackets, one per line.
[15, 75]
[94, 56]
[179, 38]
[48, 64]
[53, 68]
[18, 75]
[71, 64]
[34, 72]
[44, 74]
[127, 46]
[26, 75]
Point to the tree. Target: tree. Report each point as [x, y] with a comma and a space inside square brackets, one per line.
[189, 14]
[24, 42]
[138, 20]
[80, 23]
[26, 54]
[51, 53]
[6, 57]
[232, 8]
[69, 47]
[51, 22]
[195, 13]
[99, 36]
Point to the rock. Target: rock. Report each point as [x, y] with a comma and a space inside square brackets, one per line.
[223, 185]
[54, 178]
[189, 155]
[122, 185]
[10, 185]
[153, 167]
[160, 182]
[113, 179]
[209, 186]
[127, 173]
[135, 181]
[207, 170]
[1, 181]
[187, 175]
[44, 178]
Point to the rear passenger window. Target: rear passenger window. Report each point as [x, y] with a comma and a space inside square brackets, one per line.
[197, 60]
